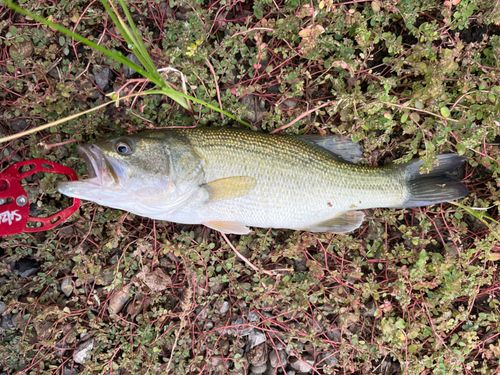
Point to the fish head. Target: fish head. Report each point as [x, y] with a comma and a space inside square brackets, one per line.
[122, 170]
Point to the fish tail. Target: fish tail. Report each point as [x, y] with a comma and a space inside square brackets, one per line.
[437, 186]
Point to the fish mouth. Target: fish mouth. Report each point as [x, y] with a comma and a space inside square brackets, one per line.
[101, 171]
[105, 175]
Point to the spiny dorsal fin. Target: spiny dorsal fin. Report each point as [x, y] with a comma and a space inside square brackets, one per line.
[342, 223]
[338, 145]
[228, 227]
[230, 187]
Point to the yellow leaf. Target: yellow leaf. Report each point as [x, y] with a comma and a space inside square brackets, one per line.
[319, 29]
[494, 257]
[304, 33]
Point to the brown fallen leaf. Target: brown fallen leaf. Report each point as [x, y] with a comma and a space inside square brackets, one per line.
[157, 280]
[258, 355]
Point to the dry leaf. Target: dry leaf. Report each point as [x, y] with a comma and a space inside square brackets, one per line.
[494, 257]
[311, 31]
[157, 280]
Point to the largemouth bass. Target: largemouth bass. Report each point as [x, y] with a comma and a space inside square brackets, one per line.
[231, 179]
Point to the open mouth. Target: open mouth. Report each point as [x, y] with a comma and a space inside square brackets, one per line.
[103, 178]
[85, 152]
[102, 172]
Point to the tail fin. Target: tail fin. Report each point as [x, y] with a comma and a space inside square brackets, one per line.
[438, 186]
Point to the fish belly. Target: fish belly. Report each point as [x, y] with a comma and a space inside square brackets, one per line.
[295, 198]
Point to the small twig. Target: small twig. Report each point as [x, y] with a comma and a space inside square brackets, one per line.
[420, 110]
[243, 258]
[54, 123]
[254, 29]
[216, 85]
[307, 113]
[432, 325]
[186, 305]
[49, 147]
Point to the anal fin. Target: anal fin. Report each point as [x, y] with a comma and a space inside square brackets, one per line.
[344, 223]
[230, 187]
[227, 227]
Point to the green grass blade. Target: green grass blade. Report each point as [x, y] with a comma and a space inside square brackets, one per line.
[481, 217]
[139, 44]
[131, 39]
[156, 78]
[62, 29]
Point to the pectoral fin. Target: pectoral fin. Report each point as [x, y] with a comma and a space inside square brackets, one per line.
[228, 226]
[227, 188]
[343, 223]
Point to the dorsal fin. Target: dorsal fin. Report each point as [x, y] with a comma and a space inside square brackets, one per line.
[339, 146]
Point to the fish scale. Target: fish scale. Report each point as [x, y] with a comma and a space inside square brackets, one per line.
[229, 179]
[296, 180]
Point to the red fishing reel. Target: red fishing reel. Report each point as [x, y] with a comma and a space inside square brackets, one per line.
[14, 203]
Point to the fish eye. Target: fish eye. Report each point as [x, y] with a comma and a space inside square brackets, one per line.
[123, 148]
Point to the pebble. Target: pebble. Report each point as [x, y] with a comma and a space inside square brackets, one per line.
[288, 104]
[106, 276]
[274, 358]
[304, 365]
[2, 307]
[8, 322]
[335, 335]
[256, 107]
[300, 265]
[256, 337]
[26, 267]
[370, 309]
[67, 370]
[258, 369]
[329, 358]
[119, 300]
[34, 210]
[216, 362]
[129, 72]
[166, 9]
[182, 13]
[239, 321]
[54, 73]
[224, 308]
[101, 77]
[22, 49]
[236, 330]
[82, 351]
[19, 125]
[253, 317]
[202, 312]
[67, 286]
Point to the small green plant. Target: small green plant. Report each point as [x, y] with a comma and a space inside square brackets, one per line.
[134, 40]
[413, 291]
